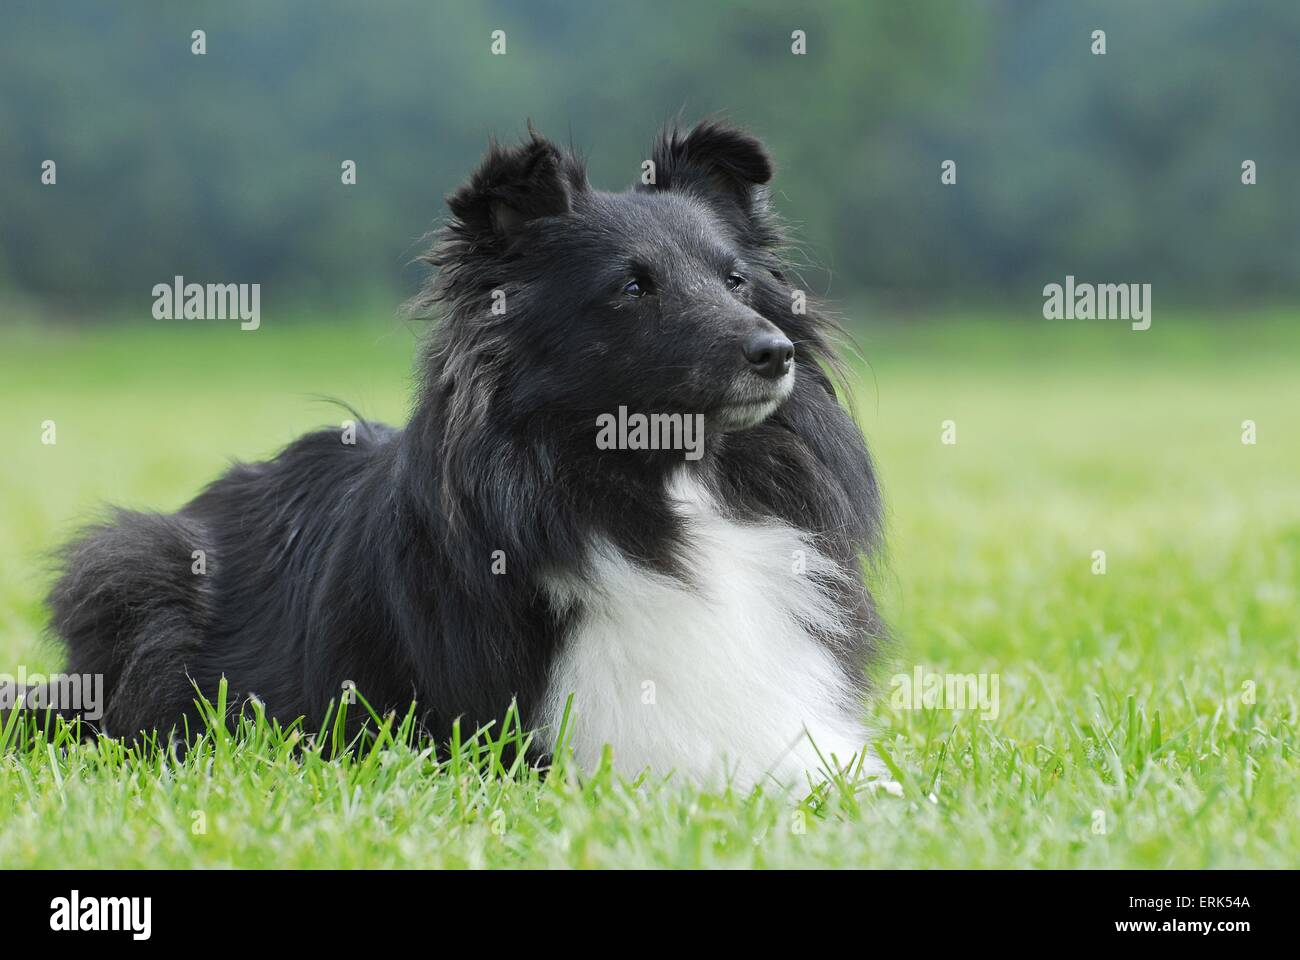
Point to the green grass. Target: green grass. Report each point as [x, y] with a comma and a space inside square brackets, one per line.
[1147, 717]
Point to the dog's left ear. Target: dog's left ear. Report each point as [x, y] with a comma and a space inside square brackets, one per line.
[713, 160]
[513, 186]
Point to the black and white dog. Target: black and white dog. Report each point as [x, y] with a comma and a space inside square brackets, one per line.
[705, 609]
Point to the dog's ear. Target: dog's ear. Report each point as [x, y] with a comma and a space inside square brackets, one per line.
[514, 186]
[713, 160]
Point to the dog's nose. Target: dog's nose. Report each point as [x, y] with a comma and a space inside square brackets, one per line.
[769, 355]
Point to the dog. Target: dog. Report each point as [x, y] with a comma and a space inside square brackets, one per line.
[701, 613]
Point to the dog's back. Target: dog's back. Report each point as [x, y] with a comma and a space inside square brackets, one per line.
[162, 604]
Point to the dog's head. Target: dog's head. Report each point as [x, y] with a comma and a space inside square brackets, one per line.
[669, 297]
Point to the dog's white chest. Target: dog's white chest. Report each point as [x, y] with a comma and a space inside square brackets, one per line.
[719, 677]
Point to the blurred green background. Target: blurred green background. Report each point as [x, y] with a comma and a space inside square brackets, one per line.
[226, 167]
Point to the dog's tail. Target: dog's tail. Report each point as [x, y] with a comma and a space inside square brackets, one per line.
[130, 607]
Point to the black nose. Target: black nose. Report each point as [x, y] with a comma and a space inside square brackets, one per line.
[769, 354]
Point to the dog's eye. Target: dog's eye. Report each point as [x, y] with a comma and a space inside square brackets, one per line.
[735, 281]
[634, 289]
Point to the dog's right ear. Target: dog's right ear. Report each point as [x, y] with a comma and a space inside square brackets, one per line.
[712, 158]
[724, 166]
[512, 187]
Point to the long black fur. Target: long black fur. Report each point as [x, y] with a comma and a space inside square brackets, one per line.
[373, 563]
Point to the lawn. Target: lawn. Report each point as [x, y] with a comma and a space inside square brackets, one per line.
[1146, 717]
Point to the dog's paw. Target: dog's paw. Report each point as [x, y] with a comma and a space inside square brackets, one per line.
[891, 787]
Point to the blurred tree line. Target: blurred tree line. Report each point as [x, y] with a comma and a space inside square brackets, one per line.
[1121, 167]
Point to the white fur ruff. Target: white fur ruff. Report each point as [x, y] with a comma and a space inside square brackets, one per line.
[721, 678]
